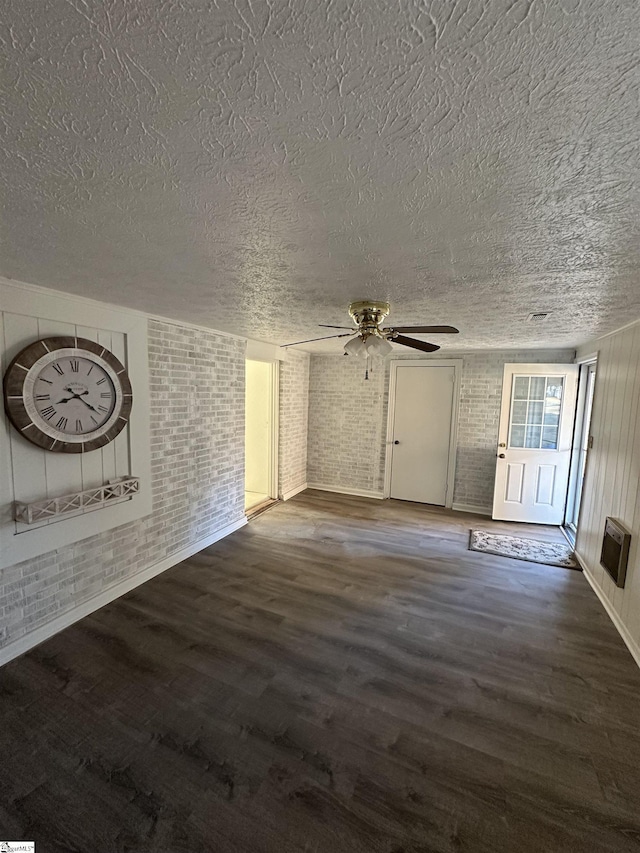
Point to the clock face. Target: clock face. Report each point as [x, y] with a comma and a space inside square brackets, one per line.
[74, 395]
[67, 394]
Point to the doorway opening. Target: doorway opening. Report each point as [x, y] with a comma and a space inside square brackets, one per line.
[261, 431]
[581, 446]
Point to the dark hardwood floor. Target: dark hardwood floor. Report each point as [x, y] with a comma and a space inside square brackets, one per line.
[342, 675]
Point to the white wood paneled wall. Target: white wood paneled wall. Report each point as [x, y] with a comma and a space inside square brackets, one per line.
[611, 486]
[29, 473]
[38, 473]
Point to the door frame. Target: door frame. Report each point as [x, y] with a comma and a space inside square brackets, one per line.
[274, 422]
[394, 363]
[583, 364]
[565, 436]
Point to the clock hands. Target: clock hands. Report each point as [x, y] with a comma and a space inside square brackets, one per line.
[78, 397]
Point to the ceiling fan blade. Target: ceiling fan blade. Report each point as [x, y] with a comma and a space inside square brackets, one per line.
[412, 342]
[312, 340]
[427, 330]
[324, 326]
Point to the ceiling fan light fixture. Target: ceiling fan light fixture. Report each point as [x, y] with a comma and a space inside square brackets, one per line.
[356, 347]
[377, 346]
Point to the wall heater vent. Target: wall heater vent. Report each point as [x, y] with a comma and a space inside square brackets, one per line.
[615, 550]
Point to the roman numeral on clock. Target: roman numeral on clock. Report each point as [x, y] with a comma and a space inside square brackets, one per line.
[78, 425]
[102, 408]
[62, 423]
[57, 368]
[75, 365]
[100, 381]
[48, 412]
[43, 396]
[105, 395]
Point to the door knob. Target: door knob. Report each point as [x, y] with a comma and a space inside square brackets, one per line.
[396, 441]
[501, 455]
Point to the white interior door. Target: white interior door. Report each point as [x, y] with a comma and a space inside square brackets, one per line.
[421, 432]
[534, 449]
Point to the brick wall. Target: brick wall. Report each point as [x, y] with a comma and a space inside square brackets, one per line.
[197, 446]
[348, 420]
[347, 424]
[294, 412]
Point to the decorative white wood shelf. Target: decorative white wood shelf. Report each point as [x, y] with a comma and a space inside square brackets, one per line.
[75, 502]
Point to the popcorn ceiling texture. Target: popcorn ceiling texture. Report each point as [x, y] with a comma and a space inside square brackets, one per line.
[255, 166]
[293, 417]
[197, 445]
[348, 421]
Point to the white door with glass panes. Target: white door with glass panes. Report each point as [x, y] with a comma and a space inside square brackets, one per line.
[534, 442]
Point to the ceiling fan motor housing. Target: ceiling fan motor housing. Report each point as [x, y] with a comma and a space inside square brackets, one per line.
[368, 315]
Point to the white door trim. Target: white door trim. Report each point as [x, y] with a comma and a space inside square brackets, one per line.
[456, 363]
[578, 436]
[275, 429]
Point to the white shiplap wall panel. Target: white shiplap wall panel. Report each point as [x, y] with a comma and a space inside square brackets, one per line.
[108, 451]
[37, 473]
[612, 477]
[123, 466]
[30, 313]
[63, 475]
[28, 466]
[91, 462]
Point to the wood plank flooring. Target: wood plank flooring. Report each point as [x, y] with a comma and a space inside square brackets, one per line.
[341, 675]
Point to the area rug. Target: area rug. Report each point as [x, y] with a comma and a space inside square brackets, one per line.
[531, 550]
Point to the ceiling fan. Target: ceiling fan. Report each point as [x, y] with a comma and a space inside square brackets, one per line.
[371, 339]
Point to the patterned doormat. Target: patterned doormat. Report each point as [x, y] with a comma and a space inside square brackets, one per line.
[531, 550]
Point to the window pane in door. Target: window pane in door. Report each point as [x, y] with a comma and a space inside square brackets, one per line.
[535, 412]
[533, 436]
[519, 415]
[521, 388]
[537, 388]
[517, 436]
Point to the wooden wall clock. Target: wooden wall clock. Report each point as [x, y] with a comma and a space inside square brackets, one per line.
[67, 394]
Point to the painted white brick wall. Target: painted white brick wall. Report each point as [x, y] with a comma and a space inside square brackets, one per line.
[293, 417]
[346, 425]
[197, 446]
[348, 420]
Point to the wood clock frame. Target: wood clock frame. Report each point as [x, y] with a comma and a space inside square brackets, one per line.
[19, 394]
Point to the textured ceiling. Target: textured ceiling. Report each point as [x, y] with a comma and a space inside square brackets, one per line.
[256, 165]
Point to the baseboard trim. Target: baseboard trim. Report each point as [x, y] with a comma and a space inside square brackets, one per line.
[285, 496]
[476, 510]
[34, 638]
[339, 490]
[630, 643]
